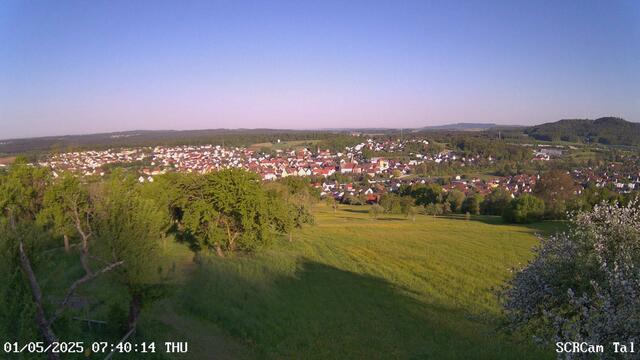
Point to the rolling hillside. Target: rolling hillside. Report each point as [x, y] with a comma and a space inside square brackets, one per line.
[606, 130]
[351, 287]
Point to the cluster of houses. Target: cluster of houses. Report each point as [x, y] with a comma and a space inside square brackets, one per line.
[92, 162]
[622, 178]
[376, 174]
[371, 189]
[207, 158]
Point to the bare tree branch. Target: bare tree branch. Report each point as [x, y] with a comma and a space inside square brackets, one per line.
[76, 284]
[41, 319]
[90, 320]
[121, 340]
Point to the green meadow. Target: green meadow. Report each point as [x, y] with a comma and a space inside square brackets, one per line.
[350, 287]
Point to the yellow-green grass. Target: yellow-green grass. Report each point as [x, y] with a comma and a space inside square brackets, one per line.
[293, 144]
[350, 287]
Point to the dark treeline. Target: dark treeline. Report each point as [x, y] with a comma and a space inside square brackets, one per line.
[607, 130]
[554, 196]
[58, 235]
[237, 137]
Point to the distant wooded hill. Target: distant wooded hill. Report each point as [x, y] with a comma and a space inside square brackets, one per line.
[606, 130]
[229, 137]
[461, 127]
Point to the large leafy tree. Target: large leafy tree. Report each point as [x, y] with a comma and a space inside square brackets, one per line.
[68, 208]
[21, 196]
[524, 209]
[27, 195]
[129, 230]
[224, 211]
[456, 199]
[555, 187]
[472, 204]
[289, 205]
[424, 193]
[496, 202]
[22, 191]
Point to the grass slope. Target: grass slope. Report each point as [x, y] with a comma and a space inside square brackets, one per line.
[355, 288]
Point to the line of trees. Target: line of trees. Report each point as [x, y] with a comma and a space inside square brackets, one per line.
[555, 195]
[114, 229]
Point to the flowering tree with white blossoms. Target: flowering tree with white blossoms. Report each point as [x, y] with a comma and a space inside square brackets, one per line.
[584, 284]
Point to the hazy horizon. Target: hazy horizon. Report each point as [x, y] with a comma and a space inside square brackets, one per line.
[286, 129]
[75, 67]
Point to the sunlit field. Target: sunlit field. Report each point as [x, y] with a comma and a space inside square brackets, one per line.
[353, 287]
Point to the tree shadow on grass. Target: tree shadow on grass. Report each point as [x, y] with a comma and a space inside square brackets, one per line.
[322, 312]
[351, 218]
[543, 227]
[363, 211]
[391, 219]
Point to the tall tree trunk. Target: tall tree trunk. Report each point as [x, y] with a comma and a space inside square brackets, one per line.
[232, 238]
[84, 260]
[66, 242]
[43, 324]
[84, 255]
[135, 305]
[290, 236]
[219, 250]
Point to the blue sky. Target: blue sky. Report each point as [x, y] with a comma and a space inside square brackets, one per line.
[73, 67]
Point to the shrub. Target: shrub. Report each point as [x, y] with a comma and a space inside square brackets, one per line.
[524, 209]
[375, 211]
[496, 202]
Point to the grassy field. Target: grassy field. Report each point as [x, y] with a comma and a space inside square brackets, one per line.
[295, 144]
[353, 288]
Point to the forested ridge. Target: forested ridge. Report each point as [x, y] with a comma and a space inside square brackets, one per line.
[606, 130]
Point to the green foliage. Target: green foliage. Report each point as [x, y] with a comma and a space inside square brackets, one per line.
[500, 150]
[423, 193]
[129, 228]
[353, 200]
[390, 202]
[607, 130]
[455, 198]
[375, 211]
[556, 188]
[66, 206]
[337, 143]
[591, 196]
[224, 210]
[472, 204]
[524, 209]
[289, 204]
[22, 191]
[434, 209]
[331, 202]
[16, 301]
[396, 204]
[496, 202]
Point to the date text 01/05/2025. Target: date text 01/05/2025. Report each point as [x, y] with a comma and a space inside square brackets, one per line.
[95, 347]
